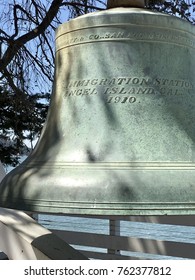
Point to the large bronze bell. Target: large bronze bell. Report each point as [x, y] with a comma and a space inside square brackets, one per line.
[120, 133]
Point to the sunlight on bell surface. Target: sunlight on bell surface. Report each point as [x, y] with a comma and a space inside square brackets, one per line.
[119, 136]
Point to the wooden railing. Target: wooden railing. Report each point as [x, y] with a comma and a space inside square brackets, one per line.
[105, 237]
[129, 237]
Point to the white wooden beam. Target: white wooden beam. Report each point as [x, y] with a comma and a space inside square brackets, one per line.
[22, 238]
[129, 244]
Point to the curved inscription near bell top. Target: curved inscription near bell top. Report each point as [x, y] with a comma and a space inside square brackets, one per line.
[128, 89]
[122, 33]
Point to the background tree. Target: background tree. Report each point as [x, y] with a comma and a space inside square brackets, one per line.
[181, 8]
[27, 51]
[27, 36]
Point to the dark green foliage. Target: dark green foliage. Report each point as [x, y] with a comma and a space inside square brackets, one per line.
[21, 118]
[183, 9]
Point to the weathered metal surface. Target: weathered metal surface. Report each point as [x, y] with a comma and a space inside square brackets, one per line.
[2, 172]
[119, 138]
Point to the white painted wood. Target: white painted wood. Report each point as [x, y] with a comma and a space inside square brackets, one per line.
[21, 237]
[17, 248]
[103, 256]
[114, 228]
[169, 238]
[147, 246]
[31, 244]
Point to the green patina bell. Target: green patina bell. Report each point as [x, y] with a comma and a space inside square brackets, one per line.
[120, 134]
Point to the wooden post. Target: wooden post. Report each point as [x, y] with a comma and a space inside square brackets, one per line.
[114, 229]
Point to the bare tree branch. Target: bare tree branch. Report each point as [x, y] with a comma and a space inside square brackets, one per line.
[79, 4]
[15, 45]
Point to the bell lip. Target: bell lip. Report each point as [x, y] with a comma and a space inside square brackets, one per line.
[101, 209]
[101, 193]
